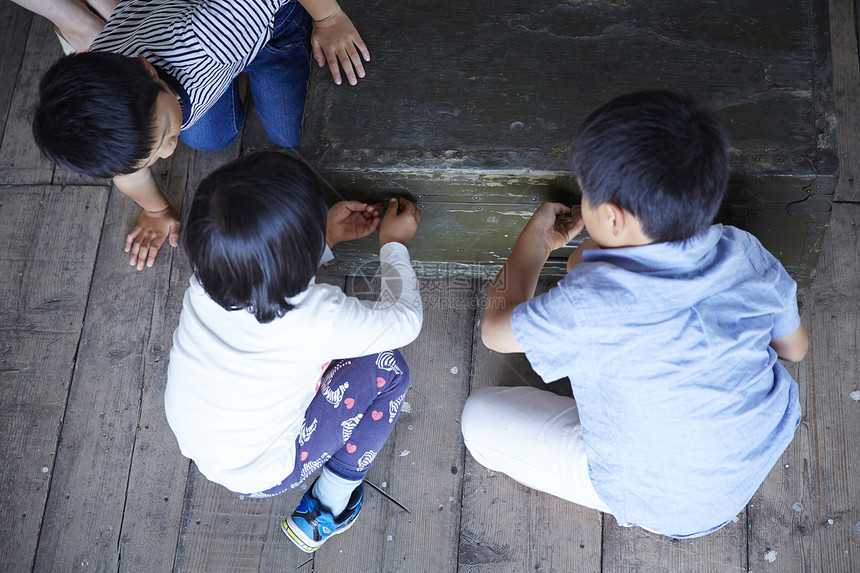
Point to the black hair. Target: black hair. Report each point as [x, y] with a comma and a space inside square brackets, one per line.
[658, 155]
[95, 113]
[256, 231]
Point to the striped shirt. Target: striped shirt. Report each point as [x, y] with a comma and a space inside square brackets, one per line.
[202, 44]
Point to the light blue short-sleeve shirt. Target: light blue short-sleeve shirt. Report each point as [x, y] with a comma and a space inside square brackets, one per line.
[684, 406]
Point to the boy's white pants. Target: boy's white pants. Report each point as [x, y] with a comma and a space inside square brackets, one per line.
[533, 436]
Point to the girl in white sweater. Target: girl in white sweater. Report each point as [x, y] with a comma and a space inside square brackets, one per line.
[273, 376]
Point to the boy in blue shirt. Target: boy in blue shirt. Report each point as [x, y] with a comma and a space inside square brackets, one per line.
[668, 327]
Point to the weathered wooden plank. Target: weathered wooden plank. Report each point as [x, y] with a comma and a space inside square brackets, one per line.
[84, 512]
[781, 516]
[20, 158]
[634, 549]
[506, 526]
[753, 62]
[224, 532]
[16, 26]
[844, 27]
[422, 463]
[50, 238]
[835, 408]
[157, 478]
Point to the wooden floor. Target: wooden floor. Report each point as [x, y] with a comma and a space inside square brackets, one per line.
[91, 478]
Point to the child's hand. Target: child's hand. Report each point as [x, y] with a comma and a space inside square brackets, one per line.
[348, 220]
[399, 227]
[147, 237]
[555, 225]
[334, 40]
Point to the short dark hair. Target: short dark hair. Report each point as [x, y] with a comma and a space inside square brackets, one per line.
[256, 231]
[658, 155]
[95, 113]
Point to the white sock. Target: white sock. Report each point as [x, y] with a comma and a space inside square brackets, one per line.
[333, 491]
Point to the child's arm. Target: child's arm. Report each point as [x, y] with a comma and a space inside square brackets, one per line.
[334, 40]
[394, 319]
[516, 282]
[78, 22]
[792, 347]
[157, 222]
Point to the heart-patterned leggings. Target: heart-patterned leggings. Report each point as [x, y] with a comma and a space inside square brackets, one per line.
[349, 419]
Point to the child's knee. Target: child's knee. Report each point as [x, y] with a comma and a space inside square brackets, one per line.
[393, 369]
[476, 412]
[209, 142]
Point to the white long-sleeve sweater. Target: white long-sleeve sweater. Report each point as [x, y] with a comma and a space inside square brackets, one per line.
[237, 390]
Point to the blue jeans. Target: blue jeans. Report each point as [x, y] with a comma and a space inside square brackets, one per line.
[278, 77]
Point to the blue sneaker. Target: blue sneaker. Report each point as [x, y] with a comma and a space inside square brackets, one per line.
[310, 525]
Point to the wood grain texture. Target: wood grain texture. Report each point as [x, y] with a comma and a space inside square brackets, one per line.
[628, 550]
[781, 515]
[20, 158]
[84, 512]
[421, 464]
[835, 413]
[16, 27]
[224, 532]
[461, 90]
[846, 84]
[50, 237]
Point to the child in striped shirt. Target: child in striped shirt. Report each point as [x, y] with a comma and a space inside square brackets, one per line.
[164, 70]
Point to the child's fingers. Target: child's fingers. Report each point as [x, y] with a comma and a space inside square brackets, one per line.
[409, 209]
[146, 257]
[319, 55]
[391, 212]
[574, 226]
[174, 235]
[373, 224]
[365, 53]
[138, 252]
[561, 208]
[355, 205]
[356, 60]
[346, 64]
[153, 251]
[333, 66]
[129, 240]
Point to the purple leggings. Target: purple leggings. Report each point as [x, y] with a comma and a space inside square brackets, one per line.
[349, 419]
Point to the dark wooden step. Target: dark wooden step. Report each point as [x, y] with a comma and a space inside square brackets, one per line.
[470, 107]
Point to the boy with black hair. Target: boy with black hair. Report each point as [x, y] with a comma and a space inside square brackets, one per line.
[668, 327]
[164, 70]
